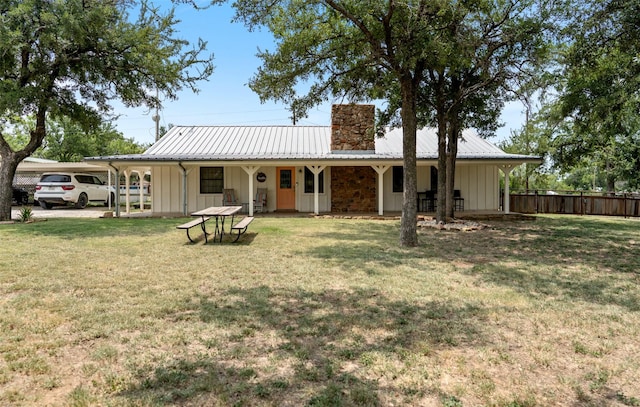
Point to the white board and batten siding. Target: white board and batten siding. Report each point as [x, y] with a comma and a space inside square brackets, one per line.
[478, 184]
[166, 189]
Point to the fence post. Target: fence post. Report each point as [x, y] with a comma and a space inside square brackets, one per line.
[536, 201]
[624, 202]
[581, 203]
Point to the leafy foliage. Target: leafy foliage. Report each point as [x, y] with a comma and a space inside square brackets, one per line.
[597, 116]
[67, 141]
[71, 58]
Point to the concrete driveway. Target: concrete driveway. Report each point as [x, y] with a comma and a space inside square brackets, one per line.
[62, 212]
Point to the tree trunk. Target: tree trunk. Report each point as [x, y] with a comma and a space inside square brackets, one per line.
[452, 151]
[8, 168]
[453, 135]
[408, 222]
[610, 178]
[442, 169]
[11, 159]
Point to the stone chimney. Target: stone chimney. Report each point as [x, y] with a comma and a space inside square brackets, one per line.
[352, 127]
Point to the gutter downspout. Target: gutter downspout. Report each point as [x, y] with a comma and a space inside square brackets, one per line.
[184, 188]
[117, 203]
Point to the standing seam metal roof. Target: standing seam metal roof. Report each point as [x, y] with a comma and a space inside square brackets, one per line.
[230, 143]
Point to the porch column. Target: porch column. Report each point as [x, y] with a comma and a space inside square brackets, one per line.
[316, 170]
[506, 170]
[381, 169]
[250, 170]
[140, 173]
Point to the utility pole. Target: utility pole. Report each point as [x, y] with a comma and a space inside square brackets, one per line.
[156, 119]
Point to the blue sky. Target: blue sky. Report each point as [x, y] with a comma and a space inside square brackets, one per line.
[225, 99]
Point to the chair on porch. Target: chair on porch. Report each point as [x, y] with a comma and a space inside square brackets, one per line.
[429, 202]
[260, 203]
[229, 197]
[458, 200]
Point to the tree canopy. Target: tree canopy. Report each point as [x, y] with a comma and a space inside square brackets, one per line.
[434, 62]
[71, 58]
[68, 141]
[594, 122]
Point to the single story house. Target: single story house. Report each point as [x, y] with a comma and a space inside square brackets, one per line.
[339, 168]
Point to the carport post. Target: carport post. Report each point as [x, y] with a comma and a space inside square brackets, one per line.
[117, 203]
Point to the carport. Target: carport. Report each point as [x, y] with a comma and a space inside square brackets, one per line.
[29, 171]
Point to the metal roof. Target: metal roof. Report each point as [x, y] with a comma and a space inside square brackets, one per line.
[257, 142]
[273, 143]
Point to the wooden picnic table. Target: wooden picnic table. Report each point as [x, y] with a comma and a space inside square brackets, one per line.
[220, 213]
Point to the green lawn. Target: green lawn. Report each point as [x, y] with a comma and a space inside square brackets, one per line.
[320, 312]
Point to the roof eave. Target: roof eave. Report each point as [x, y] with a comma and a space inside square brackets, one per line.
[331, 159]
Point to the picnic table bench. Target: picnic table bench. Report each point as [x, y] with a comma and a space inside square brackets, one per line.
[241, 226]
[198, 221]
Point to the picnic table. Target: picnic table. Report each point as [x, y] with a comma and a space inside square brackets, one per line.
[220, 213]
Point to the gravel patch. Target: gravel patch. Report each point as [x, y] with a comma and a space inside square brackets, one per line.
[457, 224]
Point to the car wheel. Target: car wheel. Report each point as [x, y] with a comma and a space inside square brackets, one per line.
[25, 200]
[113, 200]
[45, 205]
[82, 201]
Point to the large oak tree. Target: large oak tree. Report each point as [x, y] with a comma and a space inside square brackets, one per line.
[454, 56]
[71, 58]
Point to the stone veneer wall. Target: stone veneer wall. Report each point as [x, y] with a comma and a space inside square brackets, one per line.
[352, 127]
[353, 189]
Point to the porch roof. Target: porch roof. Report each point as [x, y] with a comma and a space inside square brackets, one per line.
[299, 143]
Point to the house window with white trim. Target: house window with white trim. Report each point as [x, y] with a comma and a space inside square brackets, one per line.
[398, 182]
[211, 180]
[308, 181]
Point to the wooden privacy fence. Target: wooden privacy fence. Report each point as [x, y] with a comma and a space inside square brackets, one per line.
[627, 205]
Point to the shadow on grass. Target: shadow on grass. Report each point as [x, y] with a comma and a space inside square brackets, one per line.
[599, 288]
[570, 258]
[584, 259]
[316, 346]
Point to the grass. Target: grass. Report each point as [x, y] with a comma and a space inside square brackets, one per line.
[320, 312]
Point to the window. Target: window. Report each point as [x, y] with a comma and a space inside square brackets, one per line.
[211, 180]
[55, 178]
[84, 179]
[398, 182]
[308, 181]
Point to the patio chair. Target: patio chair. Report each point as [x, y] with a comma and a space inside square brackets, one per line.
[229, 197]
[430, 201]
[458, 200]
[260, 203]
